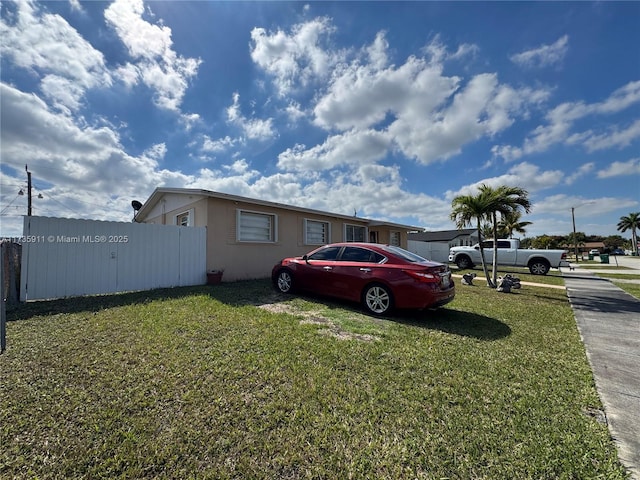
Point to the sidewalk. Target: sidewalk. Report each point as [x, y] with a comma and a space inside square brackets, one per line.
[608, 320]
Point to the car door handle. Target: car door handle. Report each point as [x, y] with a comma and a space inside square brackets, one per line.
[327, 269]
[367, 270]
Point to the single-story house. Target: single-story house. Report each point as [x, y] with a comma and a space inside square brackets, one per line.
[435, 245]
[246, 237]
[584, 248]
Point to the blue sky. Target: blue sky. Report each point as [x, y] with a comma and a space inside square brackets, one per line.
[387, 109]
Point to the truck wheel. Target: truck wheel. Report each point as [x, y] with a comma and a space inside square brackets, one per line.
[539, 267]
[463, 262]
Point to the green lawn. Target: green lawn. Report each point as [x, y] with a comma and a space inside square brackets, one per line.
[234, 381]
[554, 277]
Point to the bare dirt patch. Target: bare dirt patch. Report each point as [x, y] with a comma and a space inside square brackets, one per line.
[316, 318]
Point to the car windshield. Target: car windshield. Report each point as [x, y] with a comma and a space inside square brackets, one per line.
[404, 254]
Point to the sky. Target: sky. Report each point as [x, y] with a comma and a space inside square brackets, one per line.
[385, 110]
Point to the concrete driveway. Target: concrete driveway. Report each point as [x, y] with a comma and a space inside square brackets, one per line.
[608, 320]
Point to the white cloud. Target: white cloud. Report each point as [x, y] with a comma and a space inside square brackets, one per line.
[525, 175]
[356, 147]
[295, 112]
[617, 169]
[189, 120]
[465, 50]
[361, 96]
[48, 45]
[158, 65]
[75, 6]
[377, 52]
[219, 145]
[438, 53]
[427, 115]
[580, 172]
[614, 138]
[583, 206]
[253, 128]
[73, 157]
[543, 56]
[294, 59]
[156, 152]
[562, 118]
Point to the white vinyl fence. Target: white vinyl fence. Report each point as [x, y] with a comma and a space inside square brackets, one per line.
[438, 252]
[64, 257]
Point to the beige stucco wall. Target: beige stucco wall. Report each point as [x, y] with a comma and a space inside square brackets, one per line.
[172, 205]
[248, 260]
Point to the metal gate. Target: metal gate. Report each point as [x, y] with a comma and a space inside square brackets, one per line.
[64, 257]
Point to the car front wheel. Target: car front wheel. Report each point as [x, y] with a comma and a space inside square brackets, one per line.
[377, 299]
[284, 281]
[463, 262]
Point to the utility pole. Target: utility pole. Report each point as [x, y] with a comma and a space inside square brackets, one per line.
[28, 190]
[575, 240]
[573, 219]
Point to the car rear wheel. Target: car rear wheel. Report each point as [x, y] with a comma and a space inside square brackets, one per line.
[377, 299]
[284, 281]
[539, 267]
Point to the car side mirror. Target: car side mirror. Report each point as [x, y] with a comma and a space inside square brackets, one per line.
[305, 258]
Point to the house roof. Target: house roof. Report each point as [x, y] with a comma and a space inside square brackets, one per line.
[441, 236]
[159, 192]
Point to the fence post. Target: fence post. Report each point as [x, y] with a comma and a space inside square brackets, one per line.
[3, 313]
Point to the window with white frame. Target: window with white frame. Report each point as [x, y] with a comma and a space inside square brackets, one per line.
[184, 219]
[394, 238]
[256, 227]
[354, 233]
[316, 232]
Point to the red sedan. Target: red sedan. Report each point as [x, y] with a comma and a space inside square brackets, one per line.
[380, 276]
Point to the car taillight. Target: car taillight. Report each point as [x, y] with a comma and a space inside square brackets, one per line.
[423, 276]
[564, 255]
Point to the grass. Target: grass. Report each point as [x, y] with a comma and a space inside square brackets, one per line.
[618, 280]
[630, 288]
[235, 381]
[554, 277]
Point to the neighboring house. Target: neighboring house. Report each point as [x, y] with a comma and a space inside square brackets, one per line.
[435, 245]
[246, 237]
[584, 248]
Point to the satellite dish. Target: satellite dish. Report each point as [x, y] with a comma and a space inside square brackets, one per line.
[136, 205]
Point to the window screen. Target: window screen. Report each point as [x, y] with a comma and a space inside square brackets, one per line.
[256, 227]
[317, 233]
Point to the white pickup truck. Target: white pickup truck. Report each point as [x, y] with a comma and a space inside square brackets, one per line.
[538, 261]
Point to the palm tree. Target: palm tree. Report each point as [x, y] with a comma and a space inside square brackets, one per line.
[487, 230]
[510, 223]
[631, 222]
[466, 209]
[504, 200]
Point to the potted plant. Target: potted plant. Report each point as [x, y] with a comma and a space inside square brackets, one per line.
[214, 277]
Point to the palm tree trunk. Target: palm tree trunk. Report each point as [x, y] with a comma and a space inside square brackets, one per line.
[494, 266]
[482, 260]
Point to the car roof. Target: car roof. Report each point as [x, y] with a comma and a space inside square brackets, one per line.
[374, 246]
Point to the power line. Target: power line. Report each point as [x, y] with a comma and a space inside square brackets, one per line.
[10, 203]
[49, 195]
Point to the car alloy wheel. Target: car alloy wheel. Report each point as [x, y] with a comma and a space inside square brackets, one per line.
[539, 268]
[377, 299]
[284, 281]
[463, 263]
